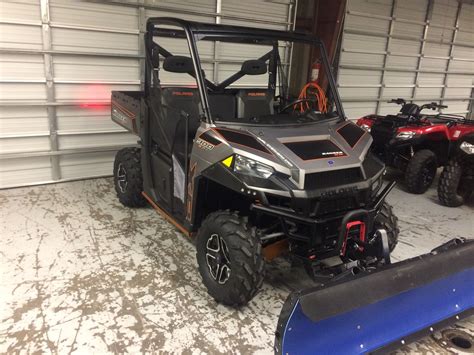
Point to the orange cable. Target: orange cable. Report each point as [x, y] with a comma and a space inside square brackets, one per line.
[318, 94]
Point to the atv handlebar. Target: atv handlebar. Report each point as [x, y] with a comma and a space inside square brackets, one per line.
[432, 106]
[398, 101]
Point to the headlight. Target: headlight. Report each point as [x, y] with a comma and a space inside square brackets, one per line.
[467, 147]
[251, 167]
[366, 127]
[405, 135]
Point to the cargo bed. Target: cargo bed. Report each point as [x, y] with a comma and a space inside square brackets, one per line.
[125, 109]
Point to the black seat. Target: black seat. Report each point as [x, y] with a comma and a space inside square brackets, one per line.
[175, 100]
[223, 106]
[254, 102]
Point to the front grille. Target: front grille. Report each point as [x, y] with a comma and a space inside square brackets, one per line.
[332, 178]
[336, 205]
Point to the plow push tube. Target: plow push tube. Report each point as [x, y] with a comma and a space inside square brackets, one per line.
[381, 310]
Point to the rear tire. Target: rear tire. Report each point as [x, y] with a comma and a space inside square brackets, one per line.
[421, 171]
[128, 179]
[449, 192]
[230, 258]
[387, 220]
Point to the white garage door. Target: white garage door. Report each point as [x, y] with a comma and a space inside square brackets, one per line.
[59, 61]
[420, 50]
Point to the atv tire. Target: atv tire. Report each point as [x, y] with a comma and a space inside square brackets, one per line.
[449, 192]
[230, 258]
[128, 179]
[421, 171]
[387, 220]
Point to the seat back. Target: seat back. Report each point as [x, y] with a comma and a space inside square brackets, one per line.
[175, 100]
[223, 106]
[254, 103]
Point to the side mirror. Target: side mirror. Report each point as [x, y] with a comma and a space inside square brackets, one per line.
[178, 64]
[254, 67]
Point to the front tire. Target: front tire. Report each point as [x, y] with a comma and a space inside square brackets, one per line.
[387, 220]
[128, 179]
[421, 171]
[449, 192]
[230, 258]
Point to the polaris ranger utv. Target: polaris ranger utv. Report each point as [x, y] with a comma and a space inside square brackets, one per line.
[248, 169]
[416, 143]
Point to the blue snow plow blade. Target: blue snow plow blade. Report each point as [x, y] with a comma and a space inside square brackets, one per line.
[379, 311]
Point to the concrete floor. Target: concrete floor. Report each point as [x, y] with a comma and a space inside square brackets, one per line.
[79, 272]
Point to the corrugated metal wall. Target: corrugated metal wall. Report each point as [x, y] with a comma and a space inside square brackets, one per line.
[59, 61]
[420, 50]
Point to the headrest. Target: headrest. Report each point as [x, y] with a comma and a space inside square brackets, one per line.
[254, 67]
[178, 64]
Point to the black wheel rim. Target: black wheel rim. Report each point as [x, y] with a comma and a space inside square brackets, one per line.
[121, 178]
[428, 174]
[217, 259]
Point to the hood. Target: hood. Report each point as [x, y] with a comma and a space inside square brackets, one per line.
[313, 147]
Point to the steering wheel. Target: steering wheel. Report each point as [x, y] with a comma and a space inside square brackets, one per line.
[295, 103]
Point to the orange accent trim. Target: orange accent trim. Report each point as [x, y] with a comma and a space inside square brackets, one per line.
[274, 250]
[127, 112]
[166, 215]
[190, 191]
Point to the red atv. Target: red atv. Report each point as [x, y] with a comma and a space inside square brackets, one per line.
[416, 143]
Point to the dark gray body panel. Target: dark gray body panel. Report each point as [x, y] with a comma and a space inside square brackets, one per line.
[282, 158]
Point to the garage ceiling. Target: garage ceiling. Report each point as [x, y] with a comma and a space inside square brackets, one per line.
[420, 50]
[59, 61]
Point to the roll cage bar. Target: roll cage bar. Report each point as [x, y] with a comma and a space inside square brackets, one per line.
[193, 31]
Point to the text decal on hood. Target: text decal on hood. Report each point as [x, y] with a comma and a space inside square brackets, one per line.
[309, 150]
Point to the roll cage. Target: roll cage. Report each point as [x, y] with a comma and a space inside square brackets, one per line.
[195, 31]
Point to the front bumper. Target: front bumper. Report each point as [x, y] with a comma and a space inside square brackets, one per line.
[312, 225]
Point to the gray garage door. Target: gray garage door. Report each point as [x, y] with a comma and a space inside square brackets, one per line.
[60, 59]
[420, 50]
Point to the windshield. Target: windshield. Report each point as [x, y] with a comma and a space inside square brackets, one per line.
[251, 80]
